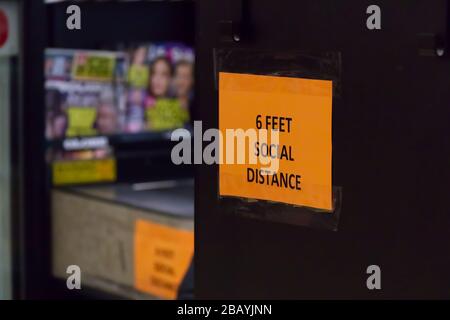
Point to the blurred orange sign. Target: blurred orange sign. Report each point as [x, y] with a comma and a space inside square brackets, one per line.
[162, 256]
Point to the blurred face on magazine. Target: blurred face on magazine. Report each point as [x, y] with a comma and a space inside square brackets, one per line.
[59, 126]
[106, 119]
[184, 79]
[139, 56]
[160, 76]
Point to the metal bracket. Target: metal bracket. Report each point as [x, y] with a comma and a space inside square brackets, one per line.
[432, 45]
[236, 28]
[230, 31]
[436, 44]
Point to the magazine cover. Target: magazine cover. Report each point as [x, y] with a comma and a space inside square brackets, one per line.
[160, 87]
[81, 109]
[85, 93]
[92, 92]
[58, 64]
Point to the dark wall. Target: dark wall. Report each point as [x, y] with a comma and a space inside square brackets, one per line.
[390, 157]
[108, 24]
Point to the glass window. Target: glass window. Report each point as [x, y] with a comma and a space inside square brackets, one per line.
[5, 180]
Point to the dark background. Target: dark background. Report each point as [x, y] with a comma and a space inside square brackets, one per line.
[390, 157]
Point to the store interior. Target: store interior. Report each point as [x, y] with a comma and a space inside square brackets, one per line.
[120, 209]
[111, 201]
[94, 206]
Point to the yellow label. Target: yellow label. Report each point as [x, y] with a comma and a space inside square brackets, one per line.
[138, 76]
[94, 67]
[81, 121]
[85, 171]
[161, 258]
[166, 114]
[300, 110]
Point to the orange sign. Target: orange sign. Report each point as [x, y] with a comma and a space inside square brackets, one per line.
[161, 258]
[300, 112]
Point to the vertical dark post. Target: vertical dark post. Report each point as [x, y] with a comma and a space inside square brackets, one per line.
[32, 227]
